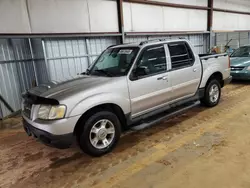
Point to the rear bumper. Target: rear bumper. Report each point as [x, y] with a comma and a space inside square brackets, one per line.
[58, 141]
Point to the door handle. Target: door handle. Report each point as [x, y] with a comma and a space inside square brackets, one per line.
[194, 70]
[163, 78]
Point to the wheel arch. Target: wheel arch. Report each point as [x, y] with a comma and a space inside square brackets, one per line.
[218, 76]
[116, 109]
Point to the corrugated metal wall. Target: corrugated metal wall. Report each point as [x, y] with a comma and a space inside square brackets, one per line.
[199, 41]
[9, 82]
[39, 61]
[22, 55]
[65, 58]
[16, 72]
[237, 39]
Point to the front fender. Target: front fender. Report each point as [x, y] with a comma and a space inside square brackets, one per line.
[99, 99]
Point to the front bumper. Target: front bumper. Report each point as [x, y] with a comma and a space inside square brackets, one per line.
[58, 141]
[56, 133]
[240, 75]
[55, 127]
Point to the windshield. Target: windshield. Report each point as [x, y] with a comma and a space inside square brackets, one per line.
[242, 52]
[114, 62]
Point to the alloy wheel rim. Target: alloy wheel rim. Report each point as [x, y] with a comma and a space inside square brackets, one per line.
[102, 134]
[214, 93]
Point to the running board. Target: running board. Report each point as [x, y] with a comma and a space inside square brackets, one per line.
[164, 116]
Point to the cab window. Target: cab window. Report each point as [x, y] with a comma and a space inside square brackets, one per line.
[153, 60]
[181, 55]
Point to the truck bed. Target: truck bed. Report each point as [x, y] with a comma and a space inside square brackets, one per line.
[212, 63]
[207, 56]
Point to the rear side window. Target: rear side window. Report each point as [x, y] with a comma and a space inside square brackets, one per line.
[181, 55]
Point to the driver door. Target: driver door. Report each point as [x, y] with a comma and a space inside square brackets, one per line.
[151, 89]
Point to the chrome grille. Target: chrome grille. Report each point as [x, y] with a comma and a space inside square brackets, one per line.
[237, 68]
[27, 109]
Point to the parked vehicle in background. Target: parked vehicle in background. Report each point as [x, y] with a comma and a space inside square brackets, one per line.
[240, 63]
[127, 85]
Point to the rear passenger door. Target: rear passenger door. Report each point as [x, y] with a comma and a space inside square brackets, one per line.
[185, 72]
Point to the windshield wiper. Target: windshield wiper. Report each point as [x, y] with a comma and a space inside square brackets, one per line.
[105, 72]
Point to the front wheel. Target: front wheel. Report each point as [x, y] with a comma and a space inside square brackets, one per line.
[212, 93]
[100, 134]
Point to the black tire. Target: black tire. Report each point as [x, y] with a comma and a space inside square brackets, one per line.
[206, 99]
[84, 139]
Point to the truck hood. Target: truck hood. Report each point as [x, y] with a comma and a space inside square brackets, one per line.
[68, 87]
[240, 61]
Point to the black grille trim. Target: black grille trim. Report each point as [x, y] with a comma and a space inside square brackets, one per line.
[237, 68]
[27, 109]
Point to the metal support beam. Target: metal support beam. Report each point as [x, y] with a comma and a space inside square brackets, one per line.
[58, 35]
[248, 37]
[231, 11]
[210, 15]
[160, 3]
[88, 51]
[19, 61]
[33, 61]
[46, 60]
[1, 112]
[77, 56]
[165, 33]
[6, 104]
[120, 20]
[210, 21]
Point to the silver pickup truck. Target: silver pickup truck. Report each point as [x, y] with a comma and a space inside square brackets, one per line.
[126, 85]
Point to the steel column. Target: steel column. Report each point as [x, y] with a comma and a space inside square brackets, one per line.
[88, 51]
[33, 61]
[210, 21]
[120, 20]
[46, 59]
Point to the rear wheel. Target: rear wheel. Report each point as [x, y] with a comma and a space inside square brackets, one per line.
[212, 93]
[100, 134]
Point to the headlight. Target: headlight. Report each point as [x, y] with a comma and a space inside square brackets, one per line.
[248, 68]
[50, 112]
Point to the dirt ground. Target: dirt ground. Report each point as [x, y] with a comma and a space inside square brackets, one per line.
[200, 148]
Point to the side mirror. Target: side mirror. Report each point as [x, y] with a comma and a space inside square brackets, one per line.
[139, 72]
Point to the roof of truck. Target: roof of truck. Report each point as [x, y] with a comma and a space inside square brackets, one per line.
[147, 43]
